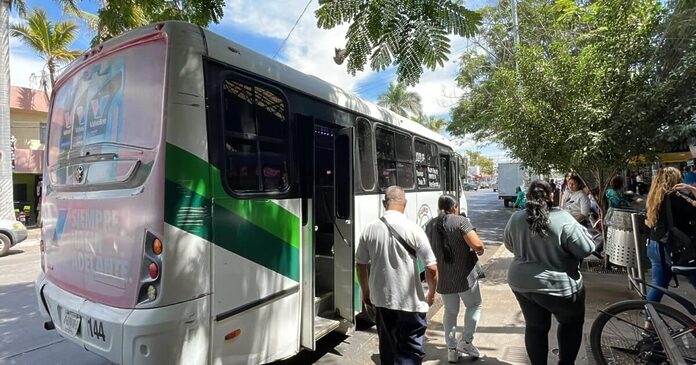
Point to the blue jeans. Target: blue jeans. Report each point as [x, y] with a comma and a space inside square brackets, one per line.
[661, 272]
[472, 302]
[401, 335]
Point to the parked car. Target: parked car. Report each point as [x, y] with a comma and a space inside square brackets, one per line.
[484, 185]
[12, 232]
[470, 186]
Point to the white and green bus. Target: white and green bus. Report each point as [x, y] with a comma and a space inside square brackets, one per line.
[202, 202]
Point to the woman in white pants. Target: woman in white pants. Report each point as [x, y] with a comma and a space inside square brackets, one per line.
[457, 247]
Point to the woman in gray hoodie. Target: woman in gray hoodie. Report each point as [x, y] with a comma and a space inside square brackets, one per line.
[549, 245]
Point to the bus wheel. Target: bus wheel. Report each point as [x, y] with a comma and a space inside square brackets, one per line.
[506, 202]
[5, 244]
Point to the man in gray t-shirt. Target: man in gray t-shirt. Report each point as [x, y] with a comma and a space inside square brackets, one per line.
[390, 280]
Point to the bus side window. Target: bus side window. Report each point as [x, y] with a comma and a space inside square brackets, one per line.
[427, 166]
[446, 173]
[256, 138]
[394, 159]
[367, 168]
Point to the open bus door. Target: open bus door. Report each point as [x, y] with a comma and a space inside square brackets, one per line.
[344, 282]
[327, 235]
[305, 126]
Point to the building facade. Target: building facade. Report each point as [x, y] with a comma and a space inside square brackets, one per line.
[28, 116]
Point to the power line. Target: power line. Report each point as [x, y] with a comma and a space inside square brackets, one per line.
[291, 30]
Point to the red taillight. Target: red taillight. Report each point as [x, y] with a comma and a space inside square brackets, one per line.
[154, 270]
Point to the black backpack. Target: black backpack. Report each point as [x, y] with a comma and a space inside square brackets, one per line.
[680, 245]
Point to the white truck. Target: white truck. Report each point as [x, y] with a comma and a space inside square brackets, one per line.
[510, 176]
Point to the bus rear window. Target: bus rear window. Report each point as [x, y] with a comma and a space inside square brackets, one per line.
[115, 100]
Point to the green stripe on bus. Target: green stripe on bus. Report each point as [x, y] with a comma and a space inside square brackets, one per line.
[235, 234]
[188, 170]
[188, 211]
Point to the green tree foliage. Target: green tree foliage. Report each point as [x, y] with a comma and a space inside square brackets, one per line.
[50, 40]
[401, 101]
[436, 124]
[588, 85]
[432, 123]
[407, 34]
[477, 159]
[117, 16]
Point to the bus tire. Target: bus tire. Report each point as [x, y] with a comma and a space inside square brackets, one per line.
[507, 203]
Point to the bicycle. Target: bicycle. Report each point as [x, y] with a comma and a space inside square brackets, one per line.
[625, 332]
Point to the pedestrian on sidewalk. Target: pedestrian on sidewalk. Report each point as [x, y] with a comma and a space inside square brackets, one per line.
[457, 248]
[385, 262]
[575, 201]
[549, 245]
[667, 207]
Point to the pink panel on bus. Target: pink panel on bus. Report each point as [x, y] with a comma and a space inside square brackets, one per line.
[94, 220]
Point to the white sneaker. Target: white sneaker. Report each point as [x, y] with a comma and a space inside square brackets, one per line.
[452, 355]
[468, 348]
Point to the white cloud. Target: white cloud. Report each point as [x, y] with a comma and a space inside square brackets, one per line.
[438, 89]
[22, 65]
[309, 49]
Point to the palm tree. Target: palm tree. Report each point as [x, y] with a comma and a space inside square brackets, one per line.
[435, 124]
[49, 40]
[401, 101]
[6, 188]
[432, 123]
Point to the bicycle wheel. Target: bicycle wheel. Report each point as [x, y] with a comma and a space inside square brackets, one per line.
[618, 335]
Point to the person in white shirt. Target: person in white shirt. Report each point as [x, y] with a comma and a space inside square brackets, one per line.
[576, 201]
[389, 279]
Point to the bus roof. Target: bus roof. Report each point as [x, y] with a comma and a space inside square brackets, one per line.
[237, 55]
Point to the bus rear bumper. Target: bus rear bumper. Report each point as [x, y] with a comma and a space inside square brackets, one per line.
[174, 334]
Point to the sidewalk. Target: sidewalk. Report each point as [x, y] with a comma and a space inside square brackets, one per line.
[500, 334]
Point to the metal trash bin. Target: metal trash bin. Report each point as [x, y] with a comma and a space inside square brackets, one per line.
[620, 244]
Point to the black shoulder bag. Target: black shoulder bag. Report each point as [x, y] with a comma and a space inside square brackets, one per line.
[411, 251]
[679, 245]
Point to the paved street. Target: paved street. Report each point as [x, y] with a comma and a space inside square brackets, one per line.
[24, 341]
[22, 337]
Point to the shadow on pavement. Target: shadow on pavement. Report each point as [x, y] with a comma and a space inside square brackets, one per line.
[22, 337]
[13, 252]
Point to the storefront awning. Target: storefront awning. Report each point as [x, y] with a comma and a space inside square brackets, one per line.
[675, 157]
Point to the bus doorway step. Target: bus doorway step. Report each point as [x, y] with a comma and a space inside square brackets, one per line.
[324, 326]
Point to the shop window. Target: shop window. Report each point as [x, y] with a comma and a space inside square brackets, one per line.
[256, 143]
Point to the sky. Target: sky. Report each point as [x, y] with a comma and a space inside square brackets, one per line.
[262, 26]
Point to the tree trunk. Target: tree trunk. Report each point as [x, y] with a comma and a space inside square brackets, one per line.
[52, 72]
[6, 187]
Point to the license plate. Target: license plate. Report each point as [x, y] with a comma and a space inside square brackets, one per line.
[71, 323]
